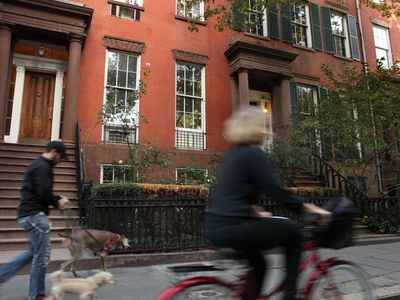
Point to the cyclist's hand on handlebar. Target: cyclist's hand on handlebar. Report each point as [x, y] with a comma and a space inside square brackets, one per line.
[259, 211]
[265, 214]
[325, 216]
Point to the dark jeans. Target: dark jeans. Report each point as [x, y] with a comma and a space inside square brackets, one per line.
[253, 236]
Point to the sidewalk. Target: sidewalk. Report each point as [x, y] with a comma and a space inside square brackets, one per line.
[381, 262]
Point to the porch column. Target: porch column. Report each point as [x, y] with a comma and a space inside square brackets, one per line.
[5, 52]
[243, 87]
[283, 108]
[234, 92]
[72, 90]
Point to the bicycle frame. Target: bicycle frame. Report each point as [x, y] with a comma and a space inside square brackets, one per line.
[319, 267]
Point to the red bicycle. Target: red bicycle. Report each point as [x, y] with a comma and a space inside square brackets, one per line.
[330, 278]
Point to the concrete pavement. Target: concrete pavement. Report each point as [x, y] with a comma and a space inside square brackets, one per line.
[380, 261]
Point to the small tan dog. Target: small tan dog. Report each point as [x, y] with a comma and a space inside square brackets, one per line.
[84, 287]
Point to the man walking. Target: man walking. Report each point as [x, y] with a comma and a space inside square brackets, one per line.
[37, 197]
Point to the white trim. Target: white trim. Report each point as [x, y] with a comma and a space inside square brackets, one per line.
[56, 122]
[26, 63]
[308, 30]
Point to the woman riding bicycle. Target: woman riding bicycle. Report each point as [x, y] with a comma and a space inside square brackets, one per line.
[234, 221]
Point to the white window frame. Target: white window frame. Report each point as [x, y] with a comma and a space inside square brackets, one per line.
[118, 11]
[314, 90]
[138, 68]
[202, 130]
[250, 11]
[184, 169]
[307, 25]
[185, 15]
[112, 166]
[388, 58]
[345, 35]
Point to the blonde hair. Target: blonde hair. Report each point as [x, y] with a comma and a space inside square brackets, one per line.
[247, 125]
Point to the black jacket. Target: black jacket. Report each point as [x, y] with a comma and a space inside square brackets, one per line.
[37, 188]
[246, 173]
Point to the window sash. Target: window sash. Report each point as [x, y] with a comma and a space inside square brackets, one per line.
[188, 175]
[196, 11]
[254, 14]
[113, 170]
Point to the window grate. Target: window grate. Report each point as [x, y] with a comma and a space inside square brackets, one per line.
[190, 140]
[117, 134]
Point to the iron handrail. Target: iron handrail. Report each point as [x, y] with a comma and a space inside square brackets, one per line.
[333, 179]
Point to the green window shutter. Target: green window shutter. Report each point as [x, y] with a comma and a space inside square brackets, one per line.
[238, 16]
[315, 26]
[286, 23]
[273, 29]
[326, 140]
[327, 29]
[293, 96]
[355, 53]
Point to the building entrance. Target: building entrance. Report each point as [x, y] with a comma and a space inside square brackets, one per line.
[37, 107]
[263, 101]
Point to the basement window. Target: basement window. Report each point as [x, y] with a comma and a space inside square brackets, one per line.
[126, 9]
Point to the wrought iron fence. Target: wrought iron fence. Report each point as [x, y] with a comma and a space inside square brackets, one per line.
[377, 205]
[185, 139]
[164, 224]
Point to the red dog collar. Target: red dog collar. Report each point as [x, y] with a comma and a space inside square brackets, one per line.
[109, 244]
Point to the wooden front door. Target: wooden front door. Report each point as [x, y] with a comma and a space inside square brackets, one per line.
[37, 107]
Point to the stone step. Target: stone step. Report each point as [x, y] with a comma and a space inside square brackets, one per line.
[308, 183]
[14, 200]
[371, 238]
[15, 191]
[58, 174]
[26, 159]
[11, 210]
[22, 243]
[56, 221]
[21, 167]
[15, 183]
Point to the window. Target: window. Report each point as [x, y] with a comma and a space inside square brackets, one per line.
[192, 9]
[189, 120]
[339, 31]
[122, 80]
[116, 173]
[382, 46]
[191, 176]
[307, 99]
[300, 24]
[257, 19]
[127, 9]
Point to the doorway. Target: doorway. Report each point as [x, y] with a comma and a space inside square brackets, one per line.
[263, 101]
[37, 108]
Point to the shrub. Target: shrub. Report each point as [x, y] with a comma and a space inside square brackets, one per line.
[387, 221]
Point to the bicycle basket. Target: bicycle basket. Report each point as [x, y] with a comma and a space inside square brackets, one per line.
[339, 232]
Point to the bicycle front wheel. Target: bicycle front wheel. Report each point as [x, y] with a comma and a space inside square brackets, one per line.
[210, 291]
[342, 281]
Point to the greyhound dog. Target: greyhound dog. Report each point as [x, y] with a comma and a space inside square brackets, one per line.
[98, 241]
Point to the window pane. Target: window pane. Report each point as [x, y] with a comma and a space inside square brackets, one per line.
[197, 121]
[380, 53]
[197, 88]
[180, 89]
[188, 105]
[179, 120]
[132, 63]
[131, 80]
[122, 63]
[197, 106]
[337, 24]
[179, 103]
[197, 74]
[112, 60]
[380, 38]
[188, 120]
[189, 72]
[107, 174]
[180, 72]
[189, 87]
[111, 77]
[122, 78]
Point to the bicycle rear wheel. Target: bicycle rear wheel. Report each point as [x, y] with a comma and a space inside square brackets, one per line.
[342, 281]
[210, 291]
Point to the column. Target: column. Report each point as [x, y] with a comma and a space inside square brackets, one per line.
[285, 108]
[17, 105]
[72, 90]
[234, 92]
[243, 87]
[55, 126]
[5, 52]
